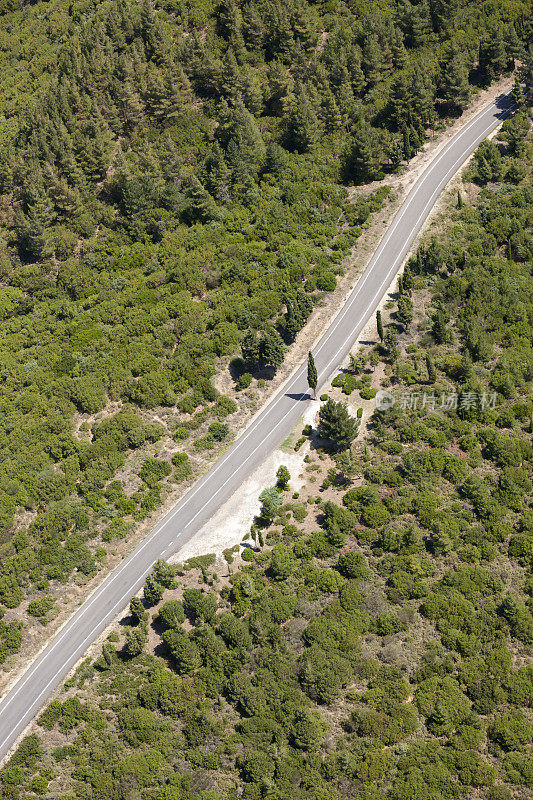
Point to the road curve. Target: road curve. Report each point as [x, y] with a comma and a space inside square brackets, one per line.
[21, 704]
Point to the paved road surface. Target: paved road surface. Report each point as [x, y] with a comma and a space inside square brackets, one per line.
[28, 695]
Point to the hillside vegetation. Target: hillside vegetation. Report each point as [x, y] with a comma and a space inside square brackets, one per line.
[172, 181]
[376, 642]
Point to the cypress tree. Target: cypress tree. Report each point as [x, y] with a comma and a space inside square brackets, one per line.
[405, 310]
[379, 325]
[312, 376]
[292, 322]
[438, 329]
[430, 366]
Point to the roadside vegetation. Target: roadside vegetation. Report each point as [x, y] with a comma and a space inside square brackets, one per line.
[172, 195]
[375, 641]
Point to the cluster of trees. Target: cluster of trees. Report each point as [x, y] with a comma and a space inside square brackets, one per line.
[173, 195]
[385, 654]
[171, 177]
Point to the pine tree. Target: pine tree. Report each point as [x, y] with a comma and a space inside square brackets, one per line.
[346, 103]
[253, 28]
[513, 46]
[250, 348]
[252, 91]
[128, 104]
[136, 639]
[454, 86]
[459, 199]
[336, 424]
[32, 241]
[364, 158]
[272, 349]
[484, 171]
[399, 53]
[155, 97]
[152, 591]
[379, 325]
[200, 205]
[395, 151]
[312, 375]
[390, 342]
[422, 99]
[231, 78]
[304, 29]
[304, 123]
[400, 102]
[492, 54]
[217, 174]
[247, 136]
[137, 609]
[517, 93]
[354, 74]
[330, 112]
[420, 24]
[373, 66]
[280, 84]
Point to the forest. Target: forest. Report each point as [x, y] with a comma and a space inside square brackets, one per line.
[374, 641]
[173, 194]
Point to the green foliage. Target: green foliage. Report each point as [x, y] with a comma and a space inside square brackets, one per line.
[312, 375]
[336, 424]
[283, 475]
[172, 183]
[270, 502]
[172, 614]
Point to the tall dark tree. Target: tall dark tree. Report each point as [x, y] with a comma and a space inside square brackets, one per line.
[364, 156]
[312, 375]
[492, 53]
[379, 325]
[454, 87]
[430, 366]
[304, 122]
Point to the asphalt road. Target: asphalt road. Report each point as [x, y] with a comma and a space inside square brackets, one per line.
[23, 702]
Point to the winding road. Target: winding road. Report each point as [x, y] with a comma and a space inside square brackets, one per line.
[24, 700]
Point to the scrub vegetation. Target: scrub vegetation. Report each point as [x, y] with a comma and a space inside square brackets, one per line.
[172, 194]
[376, 641]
